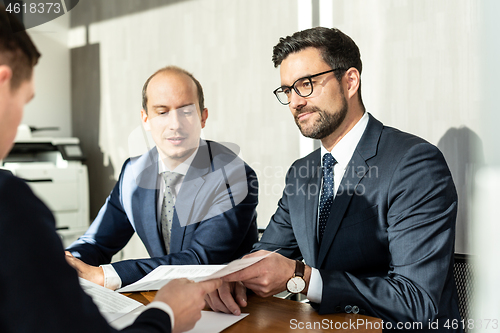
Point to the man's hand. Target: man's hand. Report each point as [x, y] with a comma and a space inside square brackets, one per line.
[268, 276]
[186, 298]
[228, 298]
[87, 272]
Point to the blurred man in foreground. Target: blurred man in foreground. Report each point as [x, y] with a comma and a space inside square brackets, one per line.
[40, 291]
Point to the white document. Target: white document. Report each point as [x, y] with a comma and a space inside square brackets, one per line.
[210, 322]
[112, 305]
[214, 322]
[233, 266]
[161, 275]
[127, 319]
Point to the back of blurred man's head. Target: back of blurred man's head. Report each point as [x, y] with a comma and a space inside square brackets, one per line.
[16, 49]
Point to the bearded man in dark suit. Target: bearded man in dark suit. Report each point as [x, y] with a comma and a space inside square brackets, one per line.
[371, 212]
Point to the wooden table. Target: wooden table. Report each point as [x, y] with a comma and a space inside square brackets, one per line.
[279, 315]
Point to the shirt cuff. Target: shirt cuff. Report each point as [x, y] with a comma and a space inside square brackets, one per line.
[111, 278]
[165, 307]
[315, 290]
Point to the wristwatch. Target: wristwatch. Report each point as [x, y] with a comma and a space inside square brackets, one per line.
[297, 283]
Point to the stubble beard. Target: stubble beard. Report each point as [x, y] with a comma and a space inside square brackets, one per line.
[326, 124]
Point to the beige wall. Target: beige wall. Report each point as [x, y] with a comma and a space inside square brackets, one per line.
[487, 228]
[52, 103]
[421, 74]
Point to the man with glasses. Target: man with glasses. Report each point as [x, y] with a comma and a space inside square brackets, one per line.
[371, 213]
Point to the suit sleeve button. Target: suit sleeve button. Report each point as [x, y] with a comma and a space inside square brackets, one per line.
[348, 309]
[355, 309]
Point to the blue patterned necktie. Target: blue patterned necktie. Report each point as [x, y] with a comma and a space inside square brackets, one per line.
[167, 210]
[327, 194]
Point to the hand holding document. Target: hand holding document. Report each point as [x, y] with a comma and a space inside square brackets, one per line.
[121, 311]
[165, 273]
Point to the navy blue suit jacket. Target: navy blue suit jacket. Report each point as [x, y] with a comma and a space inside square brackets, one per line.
[214, 220]
[389, 240]
[39, 291]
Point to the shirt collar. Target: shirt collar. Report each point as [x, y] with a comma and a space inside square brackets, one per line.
[343, 150]
[181, 168]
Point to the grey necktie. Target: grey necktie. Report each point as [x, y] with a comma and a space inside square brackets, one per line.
[167, 209]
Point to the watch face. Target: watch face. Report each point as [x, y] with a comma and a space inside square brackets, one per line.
[296, 285]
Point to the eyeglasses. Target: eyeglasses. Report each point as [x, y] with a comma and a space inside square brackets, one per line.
[303, 87]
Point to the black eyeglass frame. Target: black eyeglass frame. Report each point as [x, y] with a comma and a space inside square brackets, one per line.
[275, 92]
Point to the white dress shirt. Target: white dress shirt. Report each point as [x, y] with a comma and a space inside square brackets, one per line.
[342, 152]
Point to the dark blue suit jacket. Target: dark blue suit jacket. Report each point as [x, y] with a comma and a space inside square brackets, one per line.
[389, 241]
[214, 220]
[39, 291]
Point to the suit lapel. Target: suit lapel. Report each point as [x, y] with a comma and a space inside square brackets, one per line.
[184, 204]
[144, 201]
[309, 219]
[356, 170]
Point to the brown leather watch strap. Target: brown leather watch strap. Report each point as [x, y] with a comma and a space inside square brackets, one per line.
[299, 268]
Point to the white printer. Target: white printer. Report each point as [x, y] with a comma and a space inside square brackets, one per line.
[53, 169]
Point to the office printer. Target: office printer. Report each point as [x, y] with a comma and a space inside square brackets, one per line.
[53, 169]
